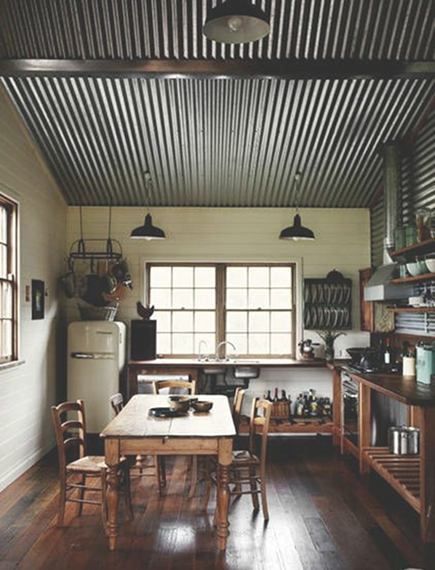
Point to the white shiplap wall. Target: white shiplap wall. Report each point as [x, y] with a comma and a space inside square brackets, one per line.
[236, 234]
[27, 391]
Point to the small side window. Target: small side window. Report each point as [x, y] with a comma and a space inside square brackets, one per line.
[8, 280]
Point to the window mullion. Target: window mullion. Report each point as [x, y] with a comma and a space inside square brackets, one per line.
[220, 303]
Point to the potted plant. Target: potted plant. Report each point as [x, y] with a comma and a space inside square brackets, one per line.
[329, 338]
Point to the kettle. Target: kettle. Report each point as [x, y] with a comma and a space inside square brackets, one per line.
[425, 364]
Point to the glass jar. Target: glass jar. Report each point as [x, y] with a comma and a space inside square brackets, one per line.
[399, 237]
[410, 234]
[423, 223]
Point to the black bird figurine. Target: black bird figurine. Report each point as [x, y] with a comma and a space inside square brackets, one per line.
[144, 312]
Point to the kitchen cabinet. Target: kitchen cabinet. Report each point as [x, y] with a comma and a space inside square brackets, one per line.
[366, 307]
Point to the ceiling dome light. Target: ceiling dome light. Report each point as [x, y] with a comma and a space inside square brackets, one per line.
[297, 231]
[148, 231]
[236, 22]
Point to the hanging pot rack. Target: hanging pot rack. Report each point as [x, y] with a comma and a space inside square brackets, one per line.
[110, 249]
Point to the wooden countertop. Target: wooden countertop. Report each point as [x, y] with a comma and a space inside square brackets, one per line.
[262, 363]
[405, 389]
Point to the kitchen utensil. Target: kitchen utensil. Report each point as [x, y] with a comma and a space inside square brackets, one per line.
[394, 440]
[68, 282]
[202, 406]
[408, 366]
[423, 223]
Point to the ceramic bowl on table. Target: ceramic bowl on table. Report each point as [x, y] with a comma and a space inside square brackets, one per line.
[179, 403]
[202, 406]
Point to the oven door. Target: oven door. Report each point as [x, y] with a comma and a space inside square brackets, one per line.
[350, 394]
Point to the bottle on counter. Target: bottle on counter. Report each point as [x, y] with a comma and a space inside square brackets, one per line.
[283, 396]
[268, 396]
[299, 407]
[387, 353]
[275, 396]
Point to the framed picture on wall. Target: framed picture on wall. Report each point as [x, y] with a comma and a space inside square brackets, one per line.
[38, 297]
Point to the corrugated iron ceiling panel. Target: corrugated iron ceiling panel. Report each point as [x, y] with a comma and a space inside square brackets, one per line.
[139, 29]
[217, 142]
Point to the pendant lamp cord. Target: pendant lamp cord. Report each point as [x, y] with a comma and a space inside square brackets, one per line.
[81, 223]
[298, 189]
[109, 230]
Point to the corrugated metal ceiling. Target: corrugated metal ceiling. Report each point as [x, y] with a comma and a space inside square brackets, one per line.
[219, 142]
[138, 29]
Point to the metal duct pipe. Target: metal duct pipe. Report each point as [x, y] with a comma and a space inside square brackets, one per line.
[391, 196]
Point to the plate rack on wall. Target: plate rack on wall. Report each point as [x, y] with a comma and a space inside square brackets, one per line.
[328, 304]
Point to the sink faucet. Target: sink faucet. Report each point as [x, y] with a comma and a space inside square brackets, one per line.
[223, 343]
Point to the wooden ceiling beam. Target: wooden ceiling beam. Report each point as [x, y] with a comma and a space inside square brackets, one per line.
[333, 69]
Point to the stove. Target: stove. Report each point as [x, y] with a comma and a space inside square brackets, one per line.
[374, 369]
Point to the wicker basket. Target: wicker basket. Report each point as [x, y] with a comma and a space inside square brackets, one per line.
[280, 410]
[93, 313]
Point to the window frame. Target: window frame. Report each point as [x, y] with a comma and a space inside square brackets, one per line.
[221, 309]
[12, 210]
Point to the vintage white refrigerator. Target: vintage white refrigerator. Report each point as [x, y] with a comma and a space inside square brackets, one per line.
[96, 358]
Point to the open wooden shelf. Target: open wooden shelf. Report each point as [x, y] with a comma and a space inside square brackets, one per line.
[414, 279]
[305, 425]
[412, 309]
[402, 472]
[419, 248]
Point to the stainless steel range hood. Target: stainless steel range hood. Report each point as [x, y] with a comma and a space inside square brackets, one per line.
[379, 287]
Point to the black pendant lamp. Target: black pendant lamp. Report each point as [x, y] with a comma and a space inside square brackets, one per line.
[236, 22]
[148, 231]
[297, 231]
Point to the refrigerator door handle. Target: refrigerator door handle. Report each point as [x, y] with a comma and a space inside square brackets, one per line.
[93, 355]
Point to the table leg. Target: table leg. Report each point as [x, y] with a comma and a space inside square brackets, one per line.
[223, 492]
[112, 494]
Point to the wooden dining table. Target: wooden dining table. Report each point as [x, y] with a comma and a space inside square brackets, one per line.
[134, 431]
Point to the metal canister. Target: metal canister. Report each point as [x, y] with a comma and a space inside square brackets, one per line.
[413, 440]
[403, 434]
[394, 440]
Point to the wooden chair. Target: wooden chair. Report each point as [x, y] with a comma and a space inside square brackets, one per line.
[239, 395]
[71, 437]
[190, 388]
[117, 403]
[179, 385]
[249, 468]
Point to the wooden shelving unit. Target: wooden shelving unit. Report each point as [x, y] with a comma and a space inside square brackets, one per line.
[402, 472]
[412, 309]
[420, 248]
[414, 279]
[315, 425]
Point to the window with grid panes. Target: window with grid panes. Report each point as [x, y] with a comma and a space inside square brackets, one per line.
[259, 309]
[184, 297]
[249, 305]
[8, 280]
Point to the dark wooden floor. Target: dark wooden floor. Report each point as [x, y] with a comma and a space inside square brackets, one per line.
[323, 516]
